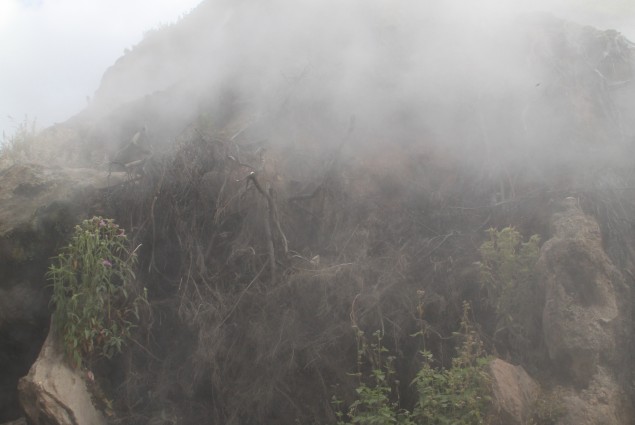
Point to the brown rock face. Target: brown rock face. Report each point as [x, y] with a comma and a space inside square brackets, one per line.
[579, 317]
[514, 392]
[603, 402]
[54, 394]
[582, 321]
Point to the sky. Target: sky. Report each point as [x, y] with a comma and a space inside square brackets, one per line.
[53, 53]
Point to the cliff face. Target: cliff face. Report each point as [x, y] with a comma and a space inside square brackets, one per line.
[282, 187]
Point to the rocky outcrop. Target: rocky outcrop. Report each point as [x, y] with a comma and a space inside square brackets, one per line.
[54, 394]
[39, 206]
[582, 319]
[581, 312]
[602, 402]
[514, 393]
[27, 189]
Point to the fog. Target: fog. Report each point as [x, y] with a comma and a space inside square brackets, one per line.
[284, 165]
[376, 61]
[54, 52]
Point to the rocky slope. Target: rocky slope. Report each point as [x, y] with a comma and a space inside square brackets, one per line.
[286, 188]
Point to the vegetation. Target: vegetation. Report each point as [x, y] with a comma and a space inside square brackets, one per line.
[547, 409]
[253, 285]
[17, 147]
[507, 275]
[459, 395]
[95, 304]
[375, 404]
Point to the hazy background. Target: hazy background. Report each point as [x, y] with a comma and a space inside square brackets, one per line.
[54, 52]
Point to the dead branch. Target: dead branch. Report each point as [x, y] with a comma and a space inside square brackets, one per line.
[268, 221]
[305, 197]
[151, 265]
[277, 221]
[239, 298]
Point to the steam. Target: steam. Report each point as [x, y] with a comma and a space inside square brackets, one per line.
[54, 52]
[480, 78]
[494, 83]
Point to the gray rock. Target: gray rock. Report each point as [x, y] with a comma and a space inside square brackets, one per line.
[514, 393]
[603, 402]
[579, 317]
[55, 394]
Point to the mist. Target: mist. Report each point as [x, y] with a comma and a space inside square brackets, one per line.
[480, 82]
[54, 53]
[296, 176]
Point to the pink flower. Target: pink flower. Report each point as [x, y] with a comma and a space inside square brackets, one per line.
[106, 263]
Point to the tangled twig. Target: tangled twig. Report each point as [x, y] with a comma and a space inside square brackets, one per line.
[268, 221]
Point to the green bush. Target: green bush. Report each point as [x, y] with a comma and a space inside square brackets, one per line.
[374, 404]
[507, 276]
[92, 284]
[459, 395]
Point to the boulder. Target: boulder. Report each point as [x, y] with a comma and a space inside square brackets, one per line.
[53, 393]
[514, 393]
[580, 315]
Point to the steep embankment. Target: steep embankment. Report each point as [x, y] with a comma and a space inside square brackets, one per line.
[284, 189]
[39, 206]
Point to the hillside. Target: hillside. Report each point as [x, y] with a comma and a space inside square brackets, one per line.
[293, 188]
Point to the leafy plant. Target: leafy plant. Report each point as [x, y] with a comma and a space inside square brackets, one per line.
[507, 275]
[92, 278]
[459, 395]
[374, 404]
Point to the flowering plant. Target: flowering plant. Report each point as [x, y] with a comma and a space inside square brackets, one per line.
[92, 278]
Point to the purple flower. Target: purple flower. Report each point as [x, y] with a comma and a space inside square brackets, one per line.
[106, 263]
[102, 223]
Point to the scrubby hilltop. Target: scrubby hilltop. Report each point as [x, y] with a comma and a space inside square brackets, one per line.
[306, 173]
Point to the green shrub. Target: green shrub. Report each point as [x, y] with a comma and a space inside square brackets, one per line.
[92, 280]
[374, 404]
[459, 395]
[507, 276]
